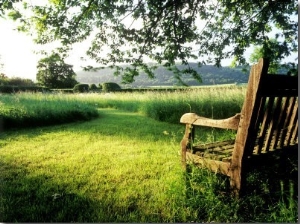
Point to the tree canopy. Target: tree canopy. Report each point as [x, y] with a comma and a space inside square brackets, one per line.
[163, 31]
[53, 72]
[270, 48]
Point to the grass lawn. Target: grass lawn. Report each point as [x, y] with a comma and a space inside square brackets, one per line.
[125, 167]
[120, 167]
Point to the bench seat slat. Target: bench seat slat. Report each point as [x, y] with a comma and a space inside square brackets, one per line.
[214, 165]
[214, 144]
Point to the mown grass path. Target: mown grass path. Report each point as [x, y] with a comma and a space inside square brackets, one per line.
[119, 167]
[125, 167]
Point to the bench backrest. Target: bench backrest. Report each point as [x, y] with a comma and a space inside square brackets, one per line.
[269, 117]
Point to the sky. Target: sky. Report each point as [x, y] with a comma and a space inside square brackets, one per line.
[19, 60]
[17, 53]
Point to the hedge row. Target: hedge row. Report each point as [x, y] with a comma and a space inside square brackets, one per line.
[14, 89]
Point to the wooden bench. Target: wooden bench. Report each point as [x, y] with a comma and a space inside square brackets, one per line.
[268, 122]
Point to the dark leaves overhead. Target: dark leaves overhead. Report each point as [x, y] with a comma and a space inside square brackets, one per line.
[165, 31]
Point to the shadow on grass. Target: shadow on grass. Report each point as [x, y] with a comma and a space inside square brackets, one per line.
[26, 198]
[276, 172]
[270, 191]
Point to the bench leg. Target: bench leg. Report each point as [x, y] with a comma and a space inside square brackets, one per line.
[235, 180]
[186, 140]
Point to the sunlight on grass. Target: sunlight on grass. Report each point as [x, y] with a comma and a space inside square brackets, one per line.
[37, 109]
[124, 166]
[120, 173]
[169, 106]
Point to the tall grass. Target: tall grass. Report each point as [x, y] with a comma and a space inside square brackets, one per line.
[169, 106]
[32, 110]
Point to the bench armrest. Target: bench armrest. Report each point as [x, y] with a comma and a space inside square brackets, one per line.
[229, 123]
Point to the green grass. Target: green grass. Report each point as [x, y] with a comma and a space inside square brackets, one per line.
[212, 102]
[270, 192]
[109, 169]
[33, 110]
[124, 167]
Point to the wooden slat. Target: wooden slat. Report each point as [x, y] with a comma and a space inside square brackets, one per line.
[279, 117]
[227, 159]
[265, 124]
[245, 138]
[217, 152]
[285, 110]
[213, 165]
[288, 112]
[294, 129]
[280, 122]
[288, 109]
[293, 118]
[262, 105]
[255, 151]
[258, 123]
[295, 133]
[214, 144]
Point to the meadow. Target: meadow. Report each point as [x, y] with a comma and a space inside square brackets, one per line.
[115, 159]
[38, 109]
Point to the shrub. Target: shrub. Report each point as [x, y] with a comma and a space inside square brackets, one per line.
[81, 88]
[110, 87]
[93, 87]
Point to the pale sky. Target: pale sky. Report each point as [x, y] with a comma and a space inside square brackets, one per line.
[19, 60]
[17, 53]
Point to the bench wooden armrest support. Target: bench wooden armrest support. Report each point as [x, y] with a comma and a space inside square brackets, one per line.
[194, 119]
[191, 119]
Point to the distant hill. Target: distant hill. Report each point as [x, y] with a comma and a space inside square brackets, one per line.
[210, 75]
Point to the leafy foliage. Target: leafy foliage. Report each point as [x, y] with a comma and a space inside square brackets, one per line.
[81, 88]
[110, 87]
[3, 79]
[6, 5]
[54, 73]
[165, 32]
[93, 87]
[15, 81]
[274, 51]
